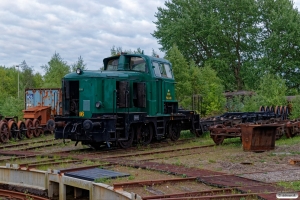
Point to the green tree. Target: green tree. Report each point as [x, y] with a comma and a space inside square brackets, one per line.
[26, 76]
[192, 80]
[12, 106]
[56, 69]
[180, 67]
[118, 50]
[295, 113]
[271, 92]
[214, 31]
[209, 86]
[239, 39]
[38, 80]
[280, 41]
[79, 64]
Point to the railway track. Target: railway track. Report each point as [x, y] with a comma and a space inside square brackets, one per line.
[236, 187]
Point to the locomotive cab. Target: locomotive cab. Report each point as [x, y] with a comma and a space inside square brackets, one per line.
[131, 100]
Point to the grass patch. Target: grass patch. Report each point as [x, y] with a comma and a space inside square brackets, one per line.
[186, 134]
[288, 141]
[103, 180]
[294, 185]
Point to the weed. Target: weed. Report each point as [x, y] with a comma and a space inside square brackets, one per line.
[186, 134]
[27, 197]
[294, 185]
[89, 162]
[103, 180]
[131, 177]
[178, 162]
[211, 161]
[43, 167]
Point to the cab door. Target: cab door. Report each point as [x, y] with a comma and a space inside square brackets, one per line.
[165, 90]
[86, 97]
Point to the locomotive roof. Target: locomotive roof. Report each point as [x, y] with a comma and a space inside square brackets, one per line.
[116, 73]
[152, 58]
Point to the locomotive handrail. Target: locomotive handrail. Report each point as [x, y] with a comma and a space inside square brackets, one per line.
[114, 101]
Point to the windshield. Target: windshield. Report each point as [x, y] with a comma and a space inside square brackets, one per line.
[133, 63]
[162, 70]
[112, 65]
[137, 64]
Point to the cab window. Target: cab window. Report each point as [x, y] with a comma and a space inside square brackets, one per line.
[112, 65]
[138, 64]
[168, 70]
[162, 70]
[156, 69]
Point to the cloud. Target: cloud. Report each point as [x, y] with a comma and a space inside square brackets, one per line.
[34, 30]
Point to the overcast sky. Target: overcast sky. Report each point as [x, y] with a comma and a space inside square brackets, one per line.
[33, 30]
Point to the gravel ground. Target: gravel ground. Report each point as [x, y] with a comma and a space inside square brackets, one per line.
[277, 176]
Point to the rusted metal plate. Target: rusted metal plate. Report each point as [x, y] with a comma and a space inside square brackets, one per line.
[294, 161]
[44, 97]
[39, 112]
[258, 137]
[95, 173]
[189, 172]
[228, 181]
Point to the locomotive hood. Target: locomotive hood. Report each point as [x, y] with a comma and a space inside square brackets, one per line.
[101, 74]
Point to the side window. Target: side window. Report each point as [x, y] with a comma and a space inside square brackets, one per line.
[162, 70]
[156, 69]
[168, 71]
[112, 65]
[137, 64]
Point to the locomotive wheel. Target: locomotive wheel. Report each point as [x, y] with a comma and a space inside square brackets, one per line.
[218, 139]
[262, 109]
[4, 135]
[22, 130]
[279, 132]
[126, 144]
[290, 131]
[174, 131]
[13, 129]
[38, 131]
[29, 127]
[145, 135]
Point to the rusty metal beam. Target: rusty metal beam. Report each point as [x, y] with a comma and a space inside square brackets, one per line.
[118, 186]
[225, 196]
[19, 195]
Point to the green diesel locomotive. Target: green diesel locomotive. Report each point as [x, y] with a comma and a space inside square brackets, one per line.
[132, 100]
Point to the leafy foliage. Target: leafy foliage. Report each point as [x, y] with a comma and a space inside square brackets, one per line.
[78, 64]
[271, 91]
[192, 80]
[118, 50]
[181, 70]
[235, 104]
[295, 112]
[240, 39]
[55, 71]
[12, 106]
[211, 89]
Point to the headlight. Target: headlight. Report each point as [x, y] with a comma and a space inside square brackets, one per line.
[98, 104]
[78, 71]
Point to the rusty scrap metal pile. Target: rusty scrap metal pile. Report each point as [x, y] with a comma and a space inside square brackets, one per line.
[229, 124]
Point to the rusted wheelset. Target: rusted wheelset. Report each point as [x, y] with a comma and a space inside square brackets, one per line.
[12, 128]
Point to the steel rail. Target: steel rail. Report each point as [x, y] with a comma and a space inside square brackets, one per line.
[20, 195]
[118, 186]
